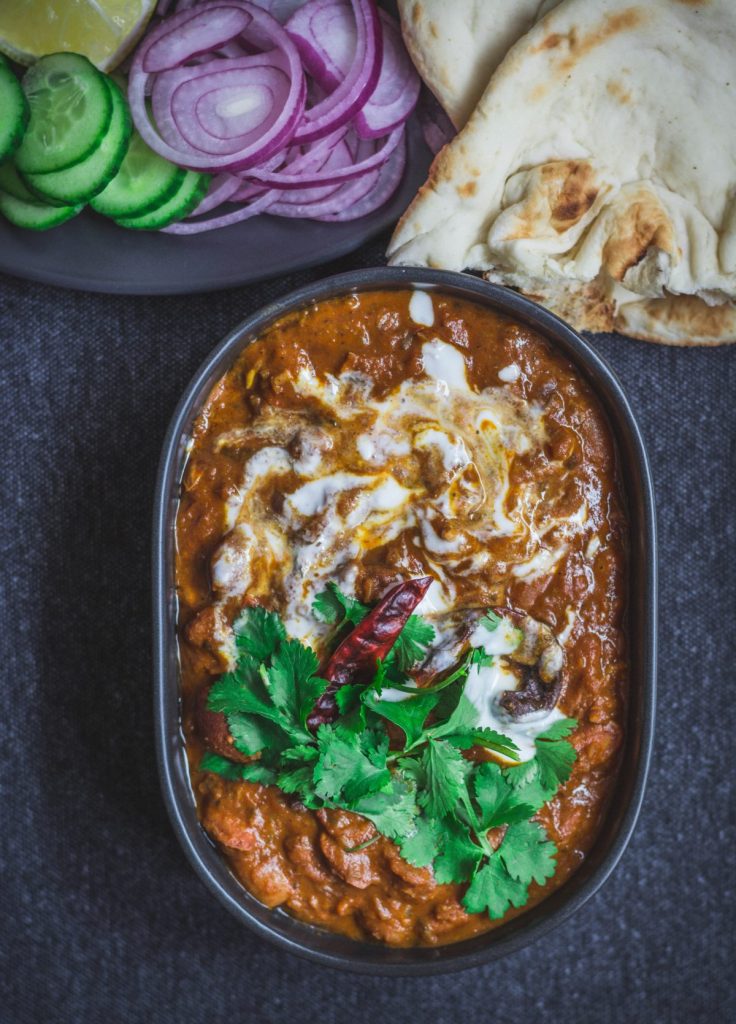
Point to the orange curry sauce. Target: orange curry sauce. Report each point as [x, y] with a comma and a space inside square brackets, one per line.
[301, 860]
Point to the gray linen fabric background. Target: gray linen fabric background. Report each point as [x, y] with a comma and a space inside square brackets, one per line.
[102, 918]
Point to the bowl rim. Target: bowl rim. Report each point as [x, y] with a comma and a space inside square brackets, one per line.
[286, 932]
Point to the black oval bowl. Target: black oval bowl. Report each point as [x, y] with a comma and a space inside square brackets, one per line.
[275, 925]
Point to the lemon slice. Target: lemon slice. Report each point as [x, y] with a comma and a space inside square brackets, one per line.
[103, 30]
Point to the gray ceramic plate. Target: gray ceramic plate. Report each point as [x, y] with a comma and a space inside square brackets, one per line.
[93, 254]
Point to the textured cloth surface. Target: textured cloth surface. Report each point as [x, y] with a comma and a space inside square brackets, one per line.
[102, 918]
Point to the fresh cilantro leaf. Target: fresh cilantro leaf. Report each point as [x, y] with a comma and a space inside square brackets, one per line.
[374, 743]
[493, 889]
[459, 855]
[559, 730]
[527, 852]
[254, 772]
[299, 780]
[393, 813]
[257, 772]
[463, 719]
[421, 846]
[498, 801]
[537, 780]
[491, 621]
[479, 657]
[327, 608]
[411, 643]
[333, 606]
[379, 679]
[337, 762]
[348, 697]
[291, 682]
[410, 714]
[343, 769]
[522, 774]
[253, 734]
[555, 759]
[445, 771]
[449, 700]
[235, 691]
[488, 738]
[254, 705]
[291, 665]
[374, 781]
[524, 778]
[352, 712]
[300, 752]
[229, 694]
[492, 793]
[259, 633]
[219, 765]
[226, 695]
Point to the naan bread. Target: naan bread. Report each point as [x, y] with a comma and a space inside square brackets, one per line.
[456, 45]
[598, 172]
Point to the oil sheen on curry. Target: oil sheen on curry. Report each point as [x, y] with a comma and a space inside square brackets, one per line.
[401, 557]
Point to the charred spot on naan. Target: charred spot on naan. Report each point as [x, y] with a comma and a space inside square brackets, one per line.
[578, 190]
[578, 45]
[643, 225]
[467, 189]
[618, 91]
[558, 194]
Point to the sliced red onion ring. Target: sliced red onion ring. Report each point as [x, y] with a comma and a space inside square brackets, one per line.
[330, 197]
[245, 193]
[259, 205]
[317, 154]
[228, 94]
[281, 10]
[200, 32]
[341, 105]
[223, 189]
[354, 199]
[282, 180]
[234, 102]
[325, 35]
[289, 205]
[389, 179]
[341, 156]
[172, 44]
[397, 90]
[350, 201]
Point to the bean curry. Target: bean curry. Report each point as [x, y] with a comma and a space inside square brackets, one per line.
[417, 499]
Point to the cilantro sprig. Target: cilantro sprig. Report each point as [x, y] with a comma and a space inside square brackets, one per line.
[398, 763]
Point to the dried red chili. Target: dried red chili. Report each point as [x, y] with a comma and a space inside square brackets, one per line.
[355, 659]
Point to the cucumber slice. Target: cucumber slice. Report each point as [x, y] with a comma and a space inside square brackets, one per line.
[189, 194]
[14, 110]
[71, 110]
[79, 183]
[12, 183]
[144, 182]
[37, 216]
